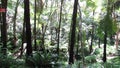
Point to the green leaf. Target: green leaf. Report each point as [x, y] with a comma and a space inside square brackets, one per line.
[90, 3]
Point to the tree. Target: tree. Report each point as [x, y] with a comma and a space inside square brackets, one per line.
[14, 24]
[4, 28]
[72, 36]
[28, 27]
[23, 39]
[59, 27]
[35, 46]
[107, 26]
[92, 36]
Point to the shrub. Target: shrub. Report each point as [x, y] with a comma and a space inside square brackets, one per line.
[40, 60]
[90, 59]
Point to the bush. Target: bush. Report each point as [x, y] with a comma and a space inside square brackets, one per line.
[10, 62]
[90, 59]
[39, 60]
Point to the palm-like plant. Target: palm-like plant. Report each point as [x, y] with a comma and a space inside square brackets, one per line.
[40, 60]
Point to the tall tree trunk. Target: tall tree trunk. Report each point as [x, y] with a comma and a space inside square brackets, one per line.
[77, 47]
[35, 46]
[81, 35]
[1, 26]
[28, 27]
[117, 40]
[14, 25]
[42, 39]
[92, 35]
[4, 28]
[44, 27]
[23, 39]
[72, 40]
[58, 40]
[91, 39]
[105, 43]
[99, 43]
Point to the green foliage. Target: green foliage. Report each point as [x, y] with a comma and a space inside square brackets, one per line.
[91, 3]
[48, 14]
[10, 62]
[97, 51]
[113, 63]
[5, 62]
[95, 65]
[90, 59]
[116, 5]
[77, 64]
[39, 60]
[100, 33]
[107, 25]
[86, 51]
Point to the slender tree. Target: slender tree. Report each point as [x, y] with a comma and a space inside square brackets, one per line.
[105, 42]
[117, 40]
[77, 46]
[107, 26]
[14, 24]
[1, 24]
[99, 41]
[23, 39]
[35, 46]
[58, 40]
[92, 35]
[79, 38]
[28, 27]
[4, 28]
[73, 29]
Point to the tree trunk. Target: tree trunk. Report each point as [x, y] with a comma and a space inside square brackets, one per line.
[23, 39]
[1, 26]
[81, 36]
[4, 28]
[99, 43]
[14, 25]
[28, 27]
[72, 40]
[91, 39]
[58, 40]
[35, 46]
[105, 43]
[44, 27]
[117, 40]
[77, 47]
[92, 35]
[42, 39]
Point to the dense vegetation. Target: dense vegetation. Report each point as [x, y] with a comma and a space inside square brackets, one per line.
[59, 34]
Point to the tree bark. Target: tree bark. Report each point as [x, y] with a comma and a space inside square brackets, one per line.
[117, 40]
[58, 40]
[14, 24]
[77, 47]
[35, 46]
[99, 43]
[72, 40]
[105, 42]
[23, 38]
[91, 39]
[92, 35]
[4, 28]
[44, 27]
[1, 25]
[28, 27]
[81, 35]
